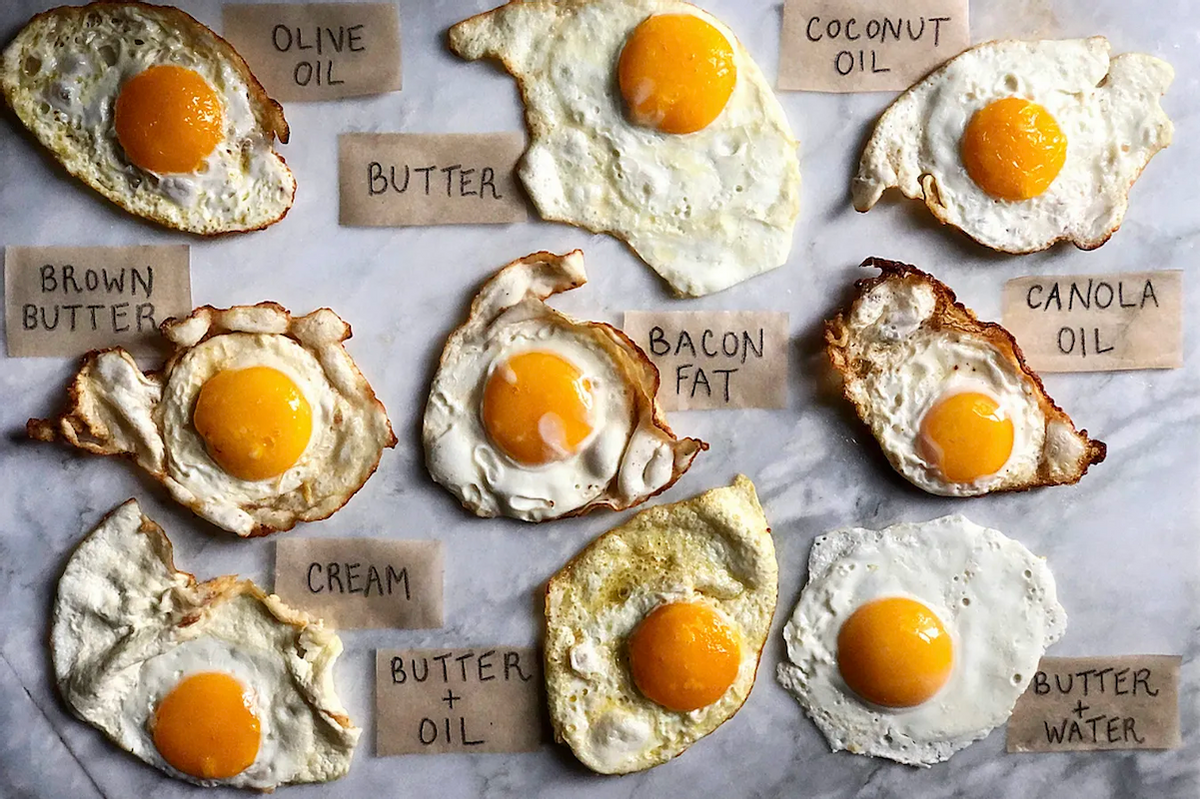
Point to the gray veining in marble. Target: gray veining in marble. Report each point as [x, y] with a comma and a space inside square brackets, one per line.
[1123, 544]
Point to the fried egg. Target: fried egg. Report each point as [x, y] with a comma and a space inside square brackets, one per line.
[258, 419]
[949, 398]
[648, 120]
[914, 641]
[215, 683]
[154, 111]
[654, 632]
[1023, 144]
[536, 416]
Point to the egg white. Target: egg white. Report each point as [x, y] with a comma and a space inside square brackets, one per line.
[282, 750]
[465, 454]
[705, 210]
[936, 367]
[716, 550]
[914, 366]
[1108, 111]
[188, 461]
[613, 727]
[630, 454]
[64, 72]
[115, 408]
[127, 627]
[996, 599]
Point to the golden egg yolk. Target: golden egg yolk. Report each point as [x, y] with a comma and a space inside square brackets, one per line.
[1013, 149]
[894, 652]
[967, 436]
[684, 656]
[255, 422]
[168, 119]
[537, 407]
[205, 727]
[676, 73]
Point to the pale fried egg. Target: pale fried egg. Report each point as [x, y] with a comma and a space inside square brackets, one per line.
[1022, 144]
[534, 415]
[948, 397]
[914, 641]
[654, 632]
[648, 120]
[154, 111]
[258, 420]
[215, 683]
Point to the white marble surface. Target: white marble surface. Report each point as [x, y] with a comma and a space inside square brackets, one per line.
[1123, 544]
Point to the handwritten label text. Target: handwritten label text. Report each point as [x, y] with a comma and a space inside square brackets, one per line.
[1077, 323]
[1072, 704]
[715, 359]
[486, 699]
[67, 300]
[867, 45]
[318, 51]
[396, 179]
[362, 582]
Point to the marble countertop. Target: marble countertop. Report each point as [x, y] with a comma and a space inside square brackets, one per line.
[1122, 544]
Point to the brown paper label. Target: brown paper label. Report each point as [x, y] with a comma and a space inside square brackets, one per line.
[715, 359]
[1097, 323]
[356, 583]
[438, 701]
[397, 179]
[867, 45]
[64, 301]
[318, 51]
[1076, 704]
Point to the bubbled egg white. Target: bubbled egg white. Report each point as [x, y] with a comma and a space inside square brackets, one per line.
[995, 599]
[706, 209]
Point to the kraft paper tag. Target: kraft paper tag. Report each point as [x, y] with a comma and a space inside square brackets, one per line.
[398, 179]
[356, 583]
[715, 359]
[1078, 704]
[440, 701]
[1097, 323]
[318, 51]
[867, 45]
[64, 301]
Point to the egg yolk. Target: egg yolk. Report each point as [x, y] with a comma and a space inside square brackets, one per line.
[255, 422]
[676, 73]
[537, 407]
[967, 436]
[894, 652]
[205, 727]
[168, 119]
[1013, 149]
[684, 656]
